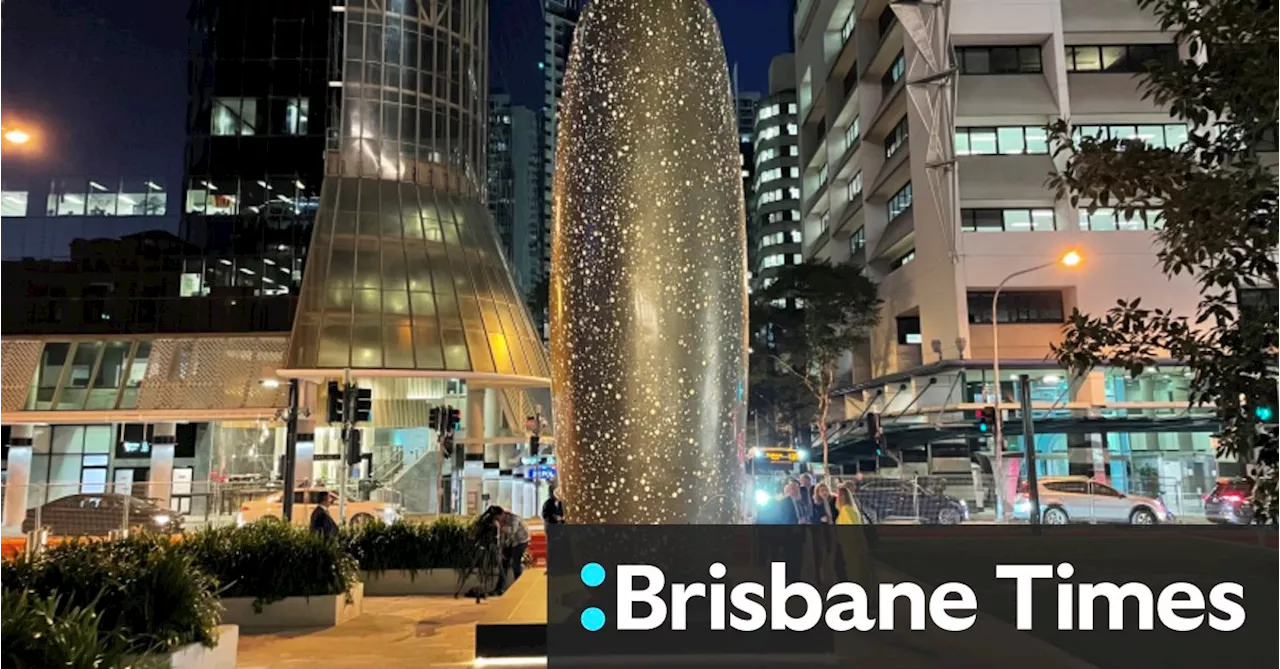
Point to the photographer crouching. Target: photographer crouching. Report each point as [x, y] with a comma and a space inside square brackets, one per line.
[513, 540]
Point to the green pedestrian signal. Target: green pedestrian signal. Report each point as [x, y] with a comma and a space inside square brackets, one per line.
[1265, 413]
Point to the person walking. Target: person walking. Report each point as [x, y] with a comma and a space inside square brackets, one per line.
[825, 509]
[789, 505]
[553, 509]
[806, 510]
[513, 538]
[321, 522]
[847, 513]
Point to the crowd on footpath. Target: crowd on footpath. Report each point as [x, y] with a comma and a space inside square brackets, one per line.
[804, 503]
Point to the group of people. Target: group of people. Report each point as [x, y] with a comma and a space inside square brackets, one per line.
[804, 503]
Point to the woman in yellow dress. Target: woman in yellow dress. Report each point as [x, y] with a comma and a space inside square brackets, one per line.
[848, 508]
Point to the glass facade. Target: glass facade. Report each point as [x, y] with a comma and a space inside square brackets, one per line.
[89, 375]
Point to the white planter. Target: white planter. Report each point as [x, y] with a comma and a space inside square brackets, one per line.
[195, 656]
[402, 582]
[295, 612]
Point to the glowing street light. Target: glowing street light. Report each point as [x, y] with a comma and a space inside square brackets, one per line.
[1071, 258]
[16, 136]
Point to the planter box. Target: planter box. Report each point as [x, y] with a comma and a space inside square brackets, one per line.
[294, 612]
[402, 582]
[195, 656]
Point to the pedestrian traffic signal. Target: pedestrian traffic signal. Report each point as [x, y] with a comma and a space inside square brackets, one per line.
[354, 446]
[335, 402]
[364, 405]
[454, 419]
[986, 417]
[435, 418]
[1265, 413]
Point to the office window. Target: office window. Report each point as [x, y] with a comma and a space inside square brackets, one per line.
[1162, 136]
[766, 155]
[853, 133]
[822, 175]
[796, 237]
[896, 139]
[1006, 220]
[900, 202]
[768, 133]
[13, 203]
[792, 129]
[295, 116]
[1105, 219]
[850, 22]
[791, 108]
[855, 187]
[775, 260]
[797, 259]
[858, 240]
[896, 70]
[66, 204]
[1017, 306]
[793, 193]
[773, 239]
[999, 60]
[1004, 140]
[771, 196]
[235, 116]
[768, 112]
[770, 175]
[903, 259]
[1123, 58]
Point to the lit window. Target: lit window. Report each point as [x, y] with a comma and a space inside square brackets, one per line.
[855, 187]
[1165, 136]
[858, 241]
[1123, 59]
[103, 200]
[234, 116]
[822, 175]
[1107, 219]
[852, 134]
[767, 155]
[797, 259]
[295, 116]
[13, 203]
[66, 204]
[999, 60]
[825, 222]
[795, 237]
[1007, 220]
[1007, 140]
[776, 260]
[791, 108]
[900, 202]
[904, 259]
[894, 74]
[792, 129]
[793, 193]
[850, 22]
[897, 138]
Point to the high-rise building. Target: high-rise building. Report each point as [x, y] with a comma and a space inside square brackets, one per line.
[559, 19]
[746, 104]
[333, 225]
[774, 229]
[515, 184]
[930, 173]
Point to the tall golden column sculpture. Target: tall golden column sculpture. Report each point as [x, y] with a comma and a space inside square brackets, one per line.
[648, 278]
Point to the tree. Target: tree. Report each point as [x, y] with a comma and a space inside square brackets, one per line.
[807, 320]
[1217, 202]
[779, 403]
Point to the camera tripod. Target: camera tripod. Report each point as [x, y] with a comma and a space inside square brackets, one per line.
[485, 568]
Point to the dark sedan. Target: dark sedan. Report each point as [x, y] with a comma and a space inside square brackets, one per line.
[882, 500]
[96, 515]
[1230, 503]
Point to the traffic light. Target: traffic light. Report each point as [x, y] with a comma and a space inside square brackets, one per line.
[1265, 413]
[454, 419]
[986, 417]
[364, 405]
[354, 446]
[335, 402]
[875, 430]
[434, 418]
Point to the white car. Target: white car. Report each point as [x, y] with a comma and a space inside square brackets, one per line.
[1079, 499]
[305, 501]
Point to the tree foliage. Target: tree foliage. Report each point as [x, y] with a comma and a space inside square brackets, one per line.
[809, 318]
[1217, 202]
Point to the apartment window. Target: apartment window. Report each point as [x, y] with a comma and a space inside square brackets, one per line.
[771, 196]
[903, 260]
[886, 21]
[1000, 60]
[791, 108]
[822, 175]
[900, 202]
[1163, 136]
[13, 203]
[1106, 219]
[795, 237]
[793, 151]
[793, 193]
[896, 139]
[797, 259]
[768, 112]
[858, 240]
[1006, 220]
[850, 22]
[792, 129]
[780, 216]
[896, 70]
[766, 155]
[853, 133]
[775, 260]
[234, 116]
[773, 239]
[855, 187]
[1121, 58]
[771, 175]
[768, 133]
[1017, 306]
[1003, 140]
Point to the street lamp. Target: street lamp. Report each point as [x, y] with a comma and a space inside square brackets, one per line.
[16, 136]
[1069, 259]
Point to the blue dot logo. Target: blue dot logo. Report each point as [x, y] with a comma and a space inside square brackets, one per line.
[592, 575]
[592, 619]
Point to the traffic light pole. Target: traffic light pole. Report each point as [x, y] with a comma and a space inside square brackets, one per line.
[1029, 439]
[290, 453]
[348, 422]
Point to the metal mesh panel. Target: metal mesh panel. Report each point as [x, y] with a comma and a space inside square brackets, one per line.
[18, 360]
[213, 373]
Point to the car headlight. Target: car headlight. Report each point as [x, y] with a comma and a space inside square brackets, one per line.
[162, 519]
[390, 512]
[239, 520]
[762, 497]
[1022, 505]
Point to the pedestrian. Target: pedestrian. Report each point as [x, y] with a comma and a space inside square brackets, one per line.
[807, 512]
[321, 522]
[789, 505]
[553, 509]
[848, 513]
[513, 538]
[824, 505]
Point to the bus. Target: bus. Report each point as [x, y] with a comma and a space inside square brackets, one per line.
[768, 469]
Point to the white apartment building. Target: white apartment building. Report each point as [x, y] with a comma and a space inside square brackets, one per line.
[774, 230]
[924, 158]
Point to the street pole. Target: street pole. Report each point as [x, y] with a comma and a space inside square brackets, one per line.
[290, 452]
[1029, 442]
[348, 424]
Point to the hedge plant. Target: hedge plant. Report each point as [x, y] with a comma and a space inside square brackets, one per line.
[271, 561]
[446, 543]
[140, 589]
[52, 631]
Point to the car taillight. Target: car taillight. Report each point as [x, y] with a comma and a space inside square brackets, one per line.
[1233, 498]
[244, 508]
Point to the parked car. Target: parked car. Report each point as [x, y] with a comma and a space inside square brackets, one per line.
[271, 508]
[1079, 499]
[1230, 503]
[98, 514]
[882, 500]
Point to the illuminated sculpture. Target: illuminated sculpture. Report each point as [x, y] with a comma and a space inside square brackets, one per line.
[648, 282]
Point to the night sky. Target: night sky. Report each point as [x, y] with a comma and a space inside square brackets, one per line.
[105, 80]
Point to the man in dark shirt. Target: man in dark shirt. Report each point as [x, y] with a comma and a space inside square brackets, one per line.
[553, 509]
[321, 522]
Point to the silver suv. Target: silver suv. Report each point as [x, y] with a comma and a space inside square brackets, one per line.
[1079, 499]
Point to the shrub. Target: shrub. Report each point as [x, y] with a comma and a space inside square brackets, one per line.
[141, 588]
[51, 631]
[271, 561]
[446, 543]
